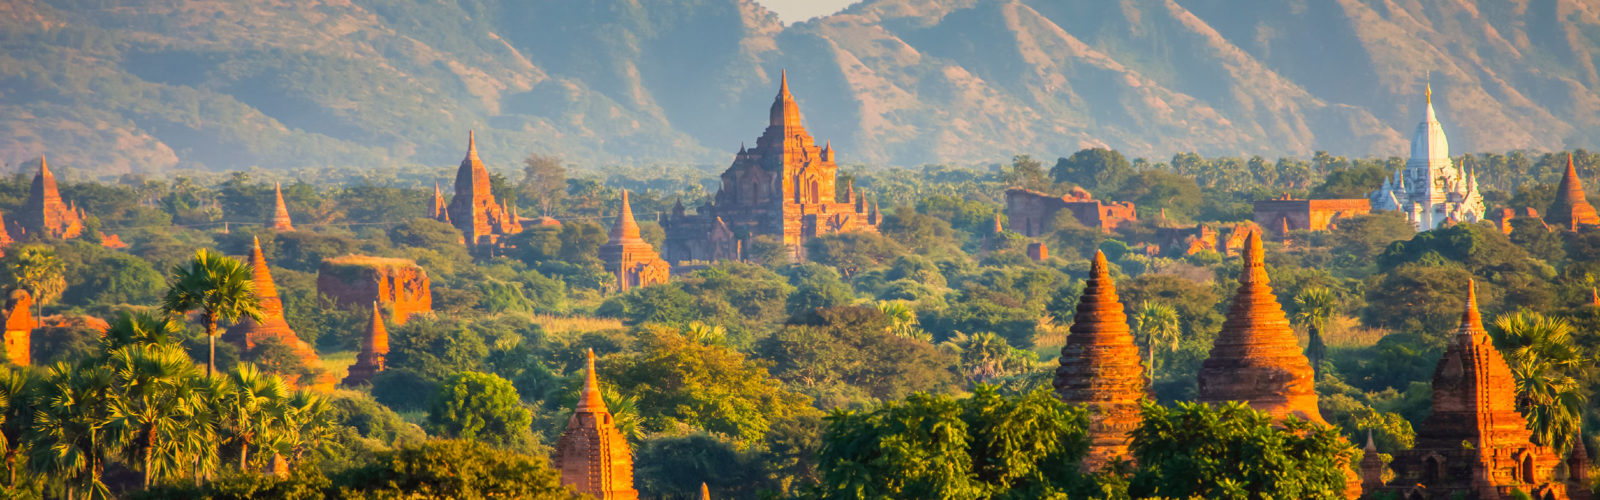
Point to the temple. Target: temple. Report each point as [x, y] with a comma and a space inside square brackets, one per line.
[1256, 358]
[44, 215]
[1431, 189]
[247, 333]
[374, 350]
[473, 210]
[1474, 444]
[1571, 208]
[784, 187]
[633, 261]
[280, 212]
[19, 327]
[1033, 213]
[1100, 368]
[592, 455]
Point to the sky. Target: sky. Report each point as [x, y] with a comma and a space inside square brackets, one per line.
[794, 11]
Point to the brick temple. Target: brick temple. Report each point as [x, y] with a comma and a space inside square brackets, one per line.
[45, 215]
[627, 256]
[592, 456]
[247, 333]
[374, 351]
[1101, 369]
[1475, 444]
[473, 210]
[1571, 209]
[784, 187]
[1288, 214]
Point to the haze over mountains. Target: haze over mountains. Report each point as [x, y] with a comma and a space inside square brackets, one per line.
[117, 86]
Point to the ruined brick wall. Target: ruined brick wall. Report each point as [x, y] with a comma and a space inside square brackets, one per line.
[359, 280]
[1315, 215]
[1031, 212]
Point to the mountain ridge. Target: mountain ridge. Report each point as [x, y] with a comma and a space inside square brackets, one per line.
[144, 86]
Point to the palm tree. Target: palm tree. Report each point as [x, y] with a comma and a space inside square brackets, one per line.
[1156, 325]
[1314, 308]
[985, 356]
[36, 268]
[307, 424]
[221, 288]
[69, 437]
[17, 390]
[706, 334]
[254, 408]
[155, 393]
[903, 320]
[140, 328]
[1547, 366]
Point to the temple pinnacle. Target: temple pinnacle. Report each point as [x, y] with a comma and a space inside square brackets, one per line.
[589, 399]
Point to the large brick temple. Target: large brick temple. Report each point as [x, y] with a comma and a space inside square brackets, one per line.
[473, 210]
[592, 456]
[785, 187]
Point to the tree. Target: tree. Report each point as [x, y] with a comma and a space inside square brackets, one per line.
[1026, 172]
[152, 406]
[450, 469]
[1314, 308]
[710, 387]
[544, 180]
[252, 408]
[1099, 170]
[1547, 366]
[18, 388]
[1156, 325]
[36, 268]
[1232, 451]
[70, 437]
[986, 445]
[482, 407]
[221, 288]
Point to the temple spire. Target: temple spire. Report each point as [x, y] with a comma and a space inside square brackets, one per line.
[1571, 207]
[280, 210]
[625, 228]
[1471, 320]
[589, 400]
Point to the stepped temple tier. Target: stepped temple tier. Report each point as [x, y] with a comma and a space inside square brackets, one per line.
[1431, 189]
[1256, 358]
[592, 455]
[633, 261]
[473, 210]
[1475, 444]
[1100, 368]
[1571, 208]
[784, 187]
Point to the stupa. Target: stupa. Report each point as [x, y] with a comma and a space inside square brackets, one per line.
[1100, 368]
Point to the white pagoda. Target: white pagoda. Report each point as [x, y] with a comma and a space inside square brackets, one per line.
[1431, 189]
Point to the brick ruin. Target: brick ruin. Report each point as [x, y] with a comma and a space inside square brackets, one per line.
[1313, 215]
[1032, 213]
[785, 187]
[627, 256]
[248, 333]
[359, 280]
[1101, 368]
[592, 456]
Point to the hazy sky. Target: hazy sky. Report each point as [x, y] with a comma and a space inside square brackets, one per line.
[793, 11]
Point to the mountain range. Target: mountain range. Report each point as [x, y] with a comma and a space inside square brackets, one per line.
[146, 86]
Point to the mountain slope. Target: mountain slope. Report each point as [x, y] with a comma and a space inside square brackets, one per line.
[119, 86]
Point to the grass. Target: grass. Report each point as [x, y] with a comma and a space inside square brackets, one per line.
[338, 362]
[568, 324]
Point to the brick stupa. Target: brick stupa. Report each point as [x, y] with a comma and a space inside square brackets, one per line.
[592, 455]
[473, 210]
[280, 212]
[44, 214]
[1256, 358]
[634, 262]
[1100, 368]
[374, 350]
[1474, 444]
[1571, 208]
[247, 333]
